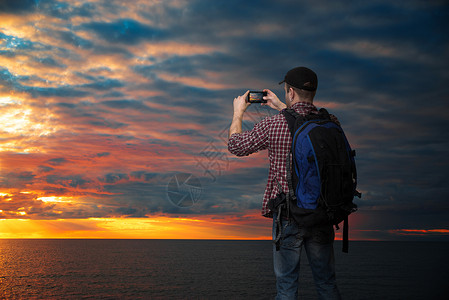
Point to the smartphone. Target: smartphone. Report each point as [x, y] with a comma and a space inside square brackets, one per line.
[256, 97]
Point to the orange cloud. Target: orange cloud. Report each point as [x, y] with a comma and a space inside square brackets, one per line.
[204, 82]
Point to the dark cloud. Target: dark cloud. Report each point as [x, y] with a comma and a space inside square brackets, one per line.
[151, 193]
[114, 177]
[74, 39]
[65, 10]
[64, 91]
[45, 169]
[113, 94]
[17, 180]
[58, 9]
[130, 212]
[75, 181]
[57, 161]
[146, 196]
[124, 104]
[49, 61]
[144, 175]
[102, 154]
[103, 85]
[126, 31]
[99, 123]
[17, 6]
[10, 81]
[65, 105]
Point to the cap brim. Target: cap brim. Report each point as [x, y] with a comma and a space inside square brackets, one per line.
[307, 88]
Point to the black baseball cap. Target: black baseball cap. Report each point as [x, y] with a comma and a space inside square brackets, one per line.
[302, 78]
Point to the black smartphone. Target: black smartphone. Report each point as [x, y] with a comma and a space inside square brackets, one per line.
[256, 97]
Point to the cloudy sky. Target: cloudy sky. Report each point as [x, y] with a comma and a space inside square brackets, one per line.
[113, 116]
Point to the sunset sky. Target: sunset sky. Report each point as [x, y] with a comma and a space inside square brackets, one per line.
[114, 116]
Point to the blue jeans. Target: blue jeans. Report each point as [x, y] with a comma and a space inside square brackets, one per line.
[318, 243]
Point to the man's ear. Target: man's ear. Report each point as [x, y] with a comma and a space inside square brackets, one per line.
[291, 93]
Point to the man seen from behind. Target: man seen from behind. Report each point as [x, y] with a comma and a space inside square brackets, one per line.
[272, 133]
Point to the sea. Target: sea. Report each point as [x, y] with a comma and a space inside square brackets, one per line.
[210, 269]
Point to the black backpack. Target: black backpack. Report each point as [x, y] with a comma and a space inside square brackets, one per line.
[323, 177]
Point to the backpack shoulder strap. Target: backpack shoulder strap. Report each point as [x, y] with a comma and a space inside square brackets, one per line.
[291, 116]
[324, 113]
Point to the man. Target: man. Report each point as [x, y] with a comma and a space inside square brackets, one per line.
[272, 133]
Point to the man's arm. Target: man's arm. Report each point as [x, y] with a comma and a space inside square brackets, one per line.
[240, 106]
[244, 143]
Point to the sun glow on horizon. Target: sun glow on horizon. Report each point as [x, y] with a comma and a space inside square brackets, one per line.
[159, 227]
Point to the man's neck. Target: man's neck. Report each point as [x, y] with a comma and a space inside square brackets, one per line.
[302, 101]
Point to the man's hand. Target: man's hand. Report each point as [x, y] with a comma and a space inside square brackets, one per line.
[273, 101]
[240, 106]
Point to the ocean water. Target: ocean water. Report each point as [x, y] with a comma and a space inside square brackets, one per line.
[203, 269]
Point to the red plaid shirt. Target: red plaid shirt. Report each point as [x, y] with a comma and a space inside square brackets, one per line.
[271, 133]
